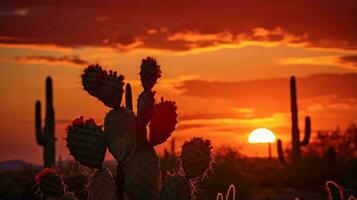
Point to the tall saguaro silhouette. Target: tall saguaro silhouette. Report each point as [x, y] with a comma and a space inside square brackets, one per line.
[45, 136]
[295, 132]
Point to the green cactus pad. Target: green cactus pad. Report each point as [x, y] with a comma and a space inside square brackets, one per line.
[107, 87]
[86, 142]
[145, 109]
[50, 184]
[163, 122]
[68, 196]
[142, 175]
[120, 129]
[102, 186]
[91, 78]
[196, 157]
[149, 72]
[176, 187]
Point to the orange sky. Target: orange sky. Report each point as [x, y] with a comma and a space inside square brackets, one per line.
[225, 64]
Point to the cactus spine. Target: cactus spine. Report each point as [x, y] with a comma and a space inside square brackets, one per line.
[46, 136]
[295, 132]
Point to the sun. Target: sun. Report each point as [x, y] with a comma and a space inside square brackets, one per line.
[261, 135]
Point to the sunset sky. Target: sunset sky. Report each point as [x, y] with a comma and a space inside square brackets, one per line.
[226, 63]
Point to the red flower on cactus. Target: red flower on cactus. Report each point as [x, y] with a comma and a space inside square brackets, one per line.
[43, 173]
[163, 121]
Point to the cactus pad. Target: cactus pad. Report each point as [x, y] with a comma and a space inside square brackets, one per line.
[107, 87]
[196, 157]
[142, 175]
[145, 109]
[91, 78]
[68, 196]
[149, 72]
[176, 187]
[102, 186]
[86, 142]
[120, 129]
[163, 122]
[50, 184]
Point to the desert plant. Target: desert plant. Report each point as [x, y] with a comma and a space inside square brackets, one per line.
[295, 132]
[336, 192]
[126, 136]
[46, 136]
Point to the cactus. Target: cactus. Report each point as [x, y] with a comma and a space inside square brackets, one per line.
[49, 183]
[176, 187]
[295, 133]
[196, 157]
[102, 186]
[125, 135]
[86, 142]
[46, 136]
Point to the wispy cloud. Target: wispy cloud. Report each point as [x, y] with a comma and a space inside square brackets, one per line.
[129, 25]
[75, 60]
[349, 60]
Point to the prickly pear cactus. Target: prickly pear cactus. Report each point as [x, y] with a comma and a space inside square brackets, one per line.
[196, 157]
[125, 134]
[142, 175]
[86, 142]
[176, 187]
[107, 87]
[120, 129]
[102, 186]
[163, 122]
[50, 184]
[68, 196]
[145, 106]
[149, 73]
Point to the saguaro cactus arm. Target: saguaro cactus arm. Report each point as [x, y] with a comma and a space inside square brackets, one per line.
[307, 134]
[281, 153]
[128, 97]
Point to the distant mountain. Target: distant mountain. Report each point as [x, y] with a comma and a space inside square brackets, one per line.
[16, 165]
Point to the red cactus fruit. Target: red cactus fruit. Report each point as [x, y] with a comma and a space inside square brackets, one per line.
[149, 72]
[163, 121]
[107, 87]
[176, 187]
[196, 157]
[86, 142]
[50, 184]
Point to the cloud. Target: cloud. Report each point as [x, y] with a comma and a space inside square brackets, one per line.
[350, 60]
[75, 60]
[267, 96]
[185, 25]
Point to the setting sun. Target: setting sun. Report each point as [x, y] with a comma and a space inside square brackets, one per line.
[261, 135]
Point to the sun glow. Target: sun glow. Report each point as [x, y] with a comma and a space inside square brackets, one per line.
[261, 135]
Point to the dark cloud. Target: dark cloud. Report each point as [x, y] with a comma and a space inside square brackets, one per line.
[125, 24]
[272, 95]
[352, 60]
[68, 59]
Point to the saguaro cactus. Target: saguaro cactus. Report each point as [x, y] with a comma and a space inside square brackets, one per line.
[46, 136]
[295, 132]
